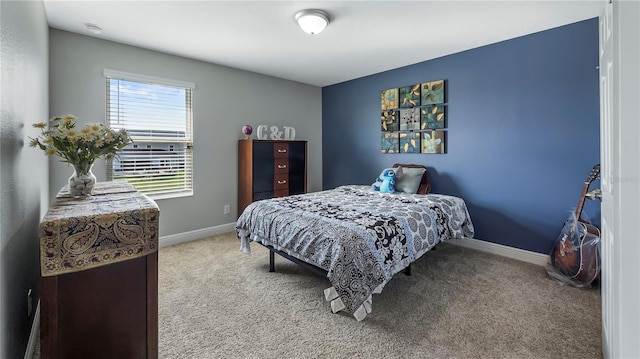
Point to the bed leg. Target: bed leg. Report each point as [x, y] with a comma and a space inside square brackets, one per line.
[407, 271]
[272, 260]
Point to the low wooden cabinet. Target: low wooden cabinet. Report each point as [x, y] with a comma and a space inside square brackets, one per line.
[99, 266]
[269, 169]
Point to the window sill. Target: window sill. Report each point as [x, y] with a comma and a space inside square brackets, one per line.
[160, 196]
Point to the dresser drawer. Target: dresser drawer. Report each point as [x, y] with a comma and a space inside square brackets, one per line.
[281, 165]
[257, 196]
[270, 194]
[262, 151]
[281, 193]
[280, 150]
[280, 181]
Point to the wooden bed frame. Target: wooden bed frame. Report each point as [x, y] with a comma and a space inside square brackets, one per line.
[425, 187]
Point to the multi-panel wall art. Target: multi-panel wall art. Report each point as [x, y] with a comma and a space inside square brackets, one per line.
[413, 118]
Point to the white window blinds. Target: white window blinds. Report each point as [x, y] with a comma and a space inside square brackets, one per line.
[157, 113]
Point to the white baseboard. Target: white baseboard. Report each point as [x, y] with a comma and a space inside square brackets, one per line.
[35, 327]
[505, 251]
[197, 234]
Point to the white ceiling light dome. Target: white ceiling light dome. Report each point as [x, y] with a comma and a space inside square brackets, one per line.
[312, 21]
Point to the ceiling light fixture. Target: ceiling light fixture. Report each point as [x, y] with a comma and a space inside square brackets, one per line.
[93, 28]
[312, 21]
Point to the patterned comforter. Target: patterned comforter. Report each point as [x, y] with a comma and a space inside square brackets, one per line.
[359, 236]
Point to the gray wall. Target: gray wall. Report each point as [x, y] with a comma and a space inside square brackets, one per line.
[23, 170]
[224, 100]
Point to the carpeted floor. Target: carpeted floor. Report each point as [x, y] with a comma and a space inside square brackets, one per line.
[215, 302]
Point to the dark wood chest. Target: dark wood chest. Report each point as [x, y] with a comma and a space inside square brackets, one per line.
[269, 169]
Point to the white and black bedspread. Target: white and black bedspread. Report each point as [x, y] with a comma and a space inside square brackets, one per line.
[359, 236]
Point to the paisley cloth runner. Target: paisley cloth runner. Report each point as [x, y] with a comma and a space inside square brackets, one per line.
[115, 224]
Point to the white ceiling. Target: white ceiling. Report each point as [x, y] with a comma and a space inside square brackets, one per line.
[363, 38]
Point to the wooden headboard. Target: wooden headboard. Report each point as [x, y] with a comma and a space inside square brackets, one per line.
[425, 185]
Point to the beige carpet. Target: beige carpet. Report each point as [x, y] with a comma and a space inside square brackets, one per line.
[215, 302]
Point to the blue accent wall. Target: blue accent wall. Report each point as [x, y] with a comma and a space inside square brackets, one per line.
[523, 131]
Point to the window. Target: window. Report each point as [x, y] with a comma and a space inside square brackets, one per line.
[157, 113]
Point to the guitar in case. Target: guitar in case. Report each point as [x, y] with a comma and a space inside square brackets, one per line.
[575, 258]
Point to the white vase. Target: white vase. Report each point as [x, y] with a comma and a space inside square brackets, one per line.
[80, 183]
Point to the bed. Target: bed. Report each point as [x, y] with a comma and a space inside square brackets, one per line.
[356, 237]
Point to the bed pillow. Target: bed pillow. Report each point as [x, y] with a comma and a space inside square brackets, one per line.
[410, 180]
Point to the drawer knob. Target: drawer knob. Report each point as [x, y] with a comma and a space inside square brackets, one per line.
[282, 181]
[282, 166]
[282, 151]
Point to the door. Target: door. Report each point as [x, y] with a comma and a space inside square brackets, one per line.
[607, 221]
[620, 177]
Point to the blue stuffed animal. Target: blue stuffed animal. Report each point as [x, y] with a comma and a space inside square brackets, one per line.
[387, 180]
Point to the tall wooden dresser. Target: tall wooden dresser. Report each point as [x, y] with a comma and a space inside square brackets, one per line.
[269, 169]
